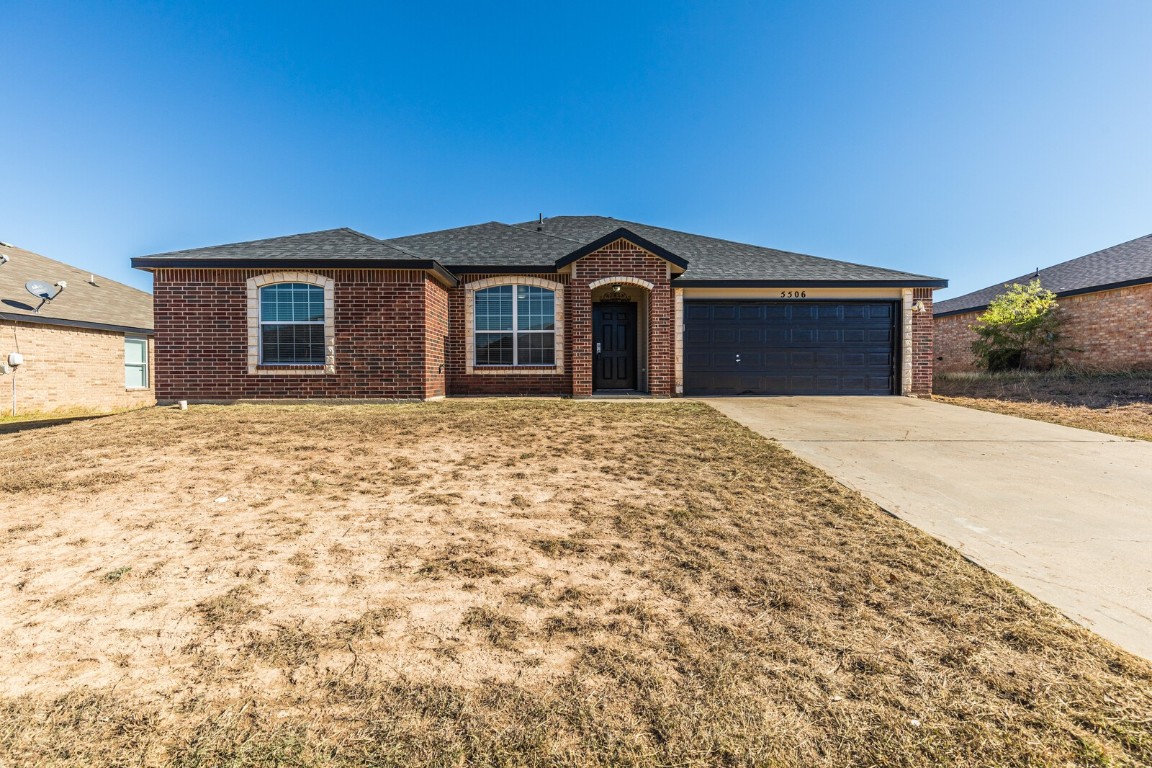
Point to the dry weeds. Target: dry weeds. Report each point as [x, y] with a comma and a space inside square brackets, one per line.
[509, 583]
[1113, 403]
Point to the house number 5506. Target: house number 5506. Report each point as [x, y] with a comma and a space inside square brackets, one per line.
[793, 294]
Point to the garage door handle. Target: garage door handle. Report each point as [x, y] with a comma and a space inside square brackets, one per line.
[737, 358]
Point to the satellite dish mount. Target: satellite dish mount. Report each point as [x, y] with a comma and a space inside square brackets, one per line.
[44, 291]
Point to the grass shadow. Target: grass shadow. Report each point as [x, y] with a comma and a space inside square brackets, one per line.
[14, 427]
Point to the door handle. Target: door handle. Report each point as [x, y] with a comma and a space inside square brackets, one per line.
[737, 358]
[597, 347]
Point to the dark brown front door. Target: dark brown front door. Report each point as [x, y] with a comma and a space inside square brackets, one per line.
[614, 346]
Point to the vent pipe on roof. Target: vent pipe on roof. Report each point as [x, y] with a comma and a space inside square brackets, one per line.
[540, 223]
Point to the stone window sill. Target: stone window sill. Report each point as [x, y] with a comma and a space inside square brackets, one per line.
[294, 370]
[504, 370]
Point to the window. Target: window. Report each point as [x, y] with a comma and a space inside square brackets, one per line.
[291, 324]
[515, 325]
[135, 363]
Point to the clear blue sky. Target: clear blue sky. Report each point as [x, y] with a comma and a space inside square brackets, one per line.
[969, 140]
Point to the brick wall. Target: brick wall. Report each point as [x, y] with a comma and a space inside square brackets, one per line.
[1110, 328]
[435, 338]
[67, 368]
[506, 381]
[380, 331]
[623, 259]
[954, 343]
[922, 344]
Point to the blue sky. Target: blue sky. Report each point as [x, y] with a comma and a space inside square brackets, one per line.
[969, 140]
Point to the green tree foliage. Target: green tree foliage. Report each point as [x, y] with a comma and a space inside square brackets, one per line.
[1020, 329]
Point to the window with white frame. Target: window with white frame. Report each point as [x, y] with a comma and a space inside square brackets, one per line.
[135, 363]
[291, 324]
[515, 325]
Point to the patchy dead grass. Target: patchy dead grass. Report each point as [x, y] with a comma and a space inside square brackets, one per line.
[1113, 403]
[540, 583]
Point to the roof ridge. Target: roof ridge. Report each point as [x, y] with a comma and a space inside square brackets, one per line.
[1095, 253]
[1038, 273]
[765, 247]
[540, 232]
[385, 243]
[259, 240]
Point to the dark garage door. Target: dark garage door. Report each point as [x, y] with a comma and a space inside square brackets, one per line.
[789, 348]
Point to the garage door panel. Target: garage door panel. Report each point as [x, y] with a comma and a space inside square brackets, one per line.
[789, 347]
[880, 311]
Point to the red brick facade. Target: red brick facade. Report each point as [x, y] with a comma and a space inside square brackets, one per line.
[382, 338]
[922, 344]
[1110, 330]
[623, 259]
[398, 334]
[401, 334]
[503, 381]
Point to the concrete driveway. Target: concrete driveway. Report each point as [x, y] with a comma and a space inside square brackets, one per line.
[1063, 513]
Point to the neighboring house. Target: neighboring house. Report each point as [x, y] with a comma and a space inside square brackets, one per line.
[572, 305]
[1106, 298]
[87, 348]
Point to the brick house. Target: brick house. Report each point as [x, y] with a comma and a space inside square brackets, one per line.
[569, 306]
[89, 347]
[1106, 298]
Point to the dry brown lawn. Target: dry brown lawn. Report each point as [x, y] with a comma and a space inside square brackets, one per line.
[1113, 403]
[501, 582]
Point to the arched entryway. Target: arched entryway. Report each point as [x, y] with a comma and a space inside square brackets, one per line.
[620, 323]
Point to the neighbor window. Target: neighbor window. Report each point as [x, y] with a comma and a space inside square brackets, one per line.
[135, 363]
[291, 324]
[515, 325]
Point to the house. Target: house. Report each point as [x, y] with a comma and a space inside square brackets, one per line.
[81, 342]
[571, 305]
[1106, 298]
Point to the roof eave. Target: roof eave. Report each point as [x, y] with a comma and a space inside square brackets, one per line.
[502, 269]
[923, 283]
[41, 320]
[437, 270]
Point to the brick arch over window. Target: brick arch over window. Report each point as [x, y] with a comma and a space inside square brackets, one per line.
[254, 284]
[470, 324]
[628, 280]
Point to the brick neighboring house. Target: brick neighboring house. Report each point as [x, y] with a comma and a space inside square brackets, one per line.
[1106, 297]
[567, 306]
[88, 348]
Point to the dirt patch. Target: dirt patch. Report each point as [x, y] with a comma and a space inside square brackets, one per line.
[509, 582]
[1113, 403]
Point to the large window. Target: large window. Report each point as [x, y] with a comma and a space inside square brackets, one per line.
[135, 363]
[291, 324]
[515, 325]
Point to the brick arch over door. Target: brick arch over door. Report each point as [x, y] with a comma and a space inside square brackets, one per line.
[620, 279]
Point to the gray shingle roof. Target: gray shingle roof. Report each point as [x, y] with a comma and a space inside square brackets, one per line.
[106, 304]
[340, 243]
[492, 244]
[1126, 263]
[510, 246]
[711, 258]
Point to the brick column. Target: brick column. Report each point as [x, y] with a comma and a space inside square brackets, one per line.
[922, 360]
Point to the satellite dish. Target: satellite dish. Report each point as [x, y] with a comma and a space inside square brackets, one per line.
[43, 290]
[39, 289]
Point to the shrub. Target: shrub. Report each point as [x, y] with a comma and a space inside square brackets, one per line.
[1020, 329]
